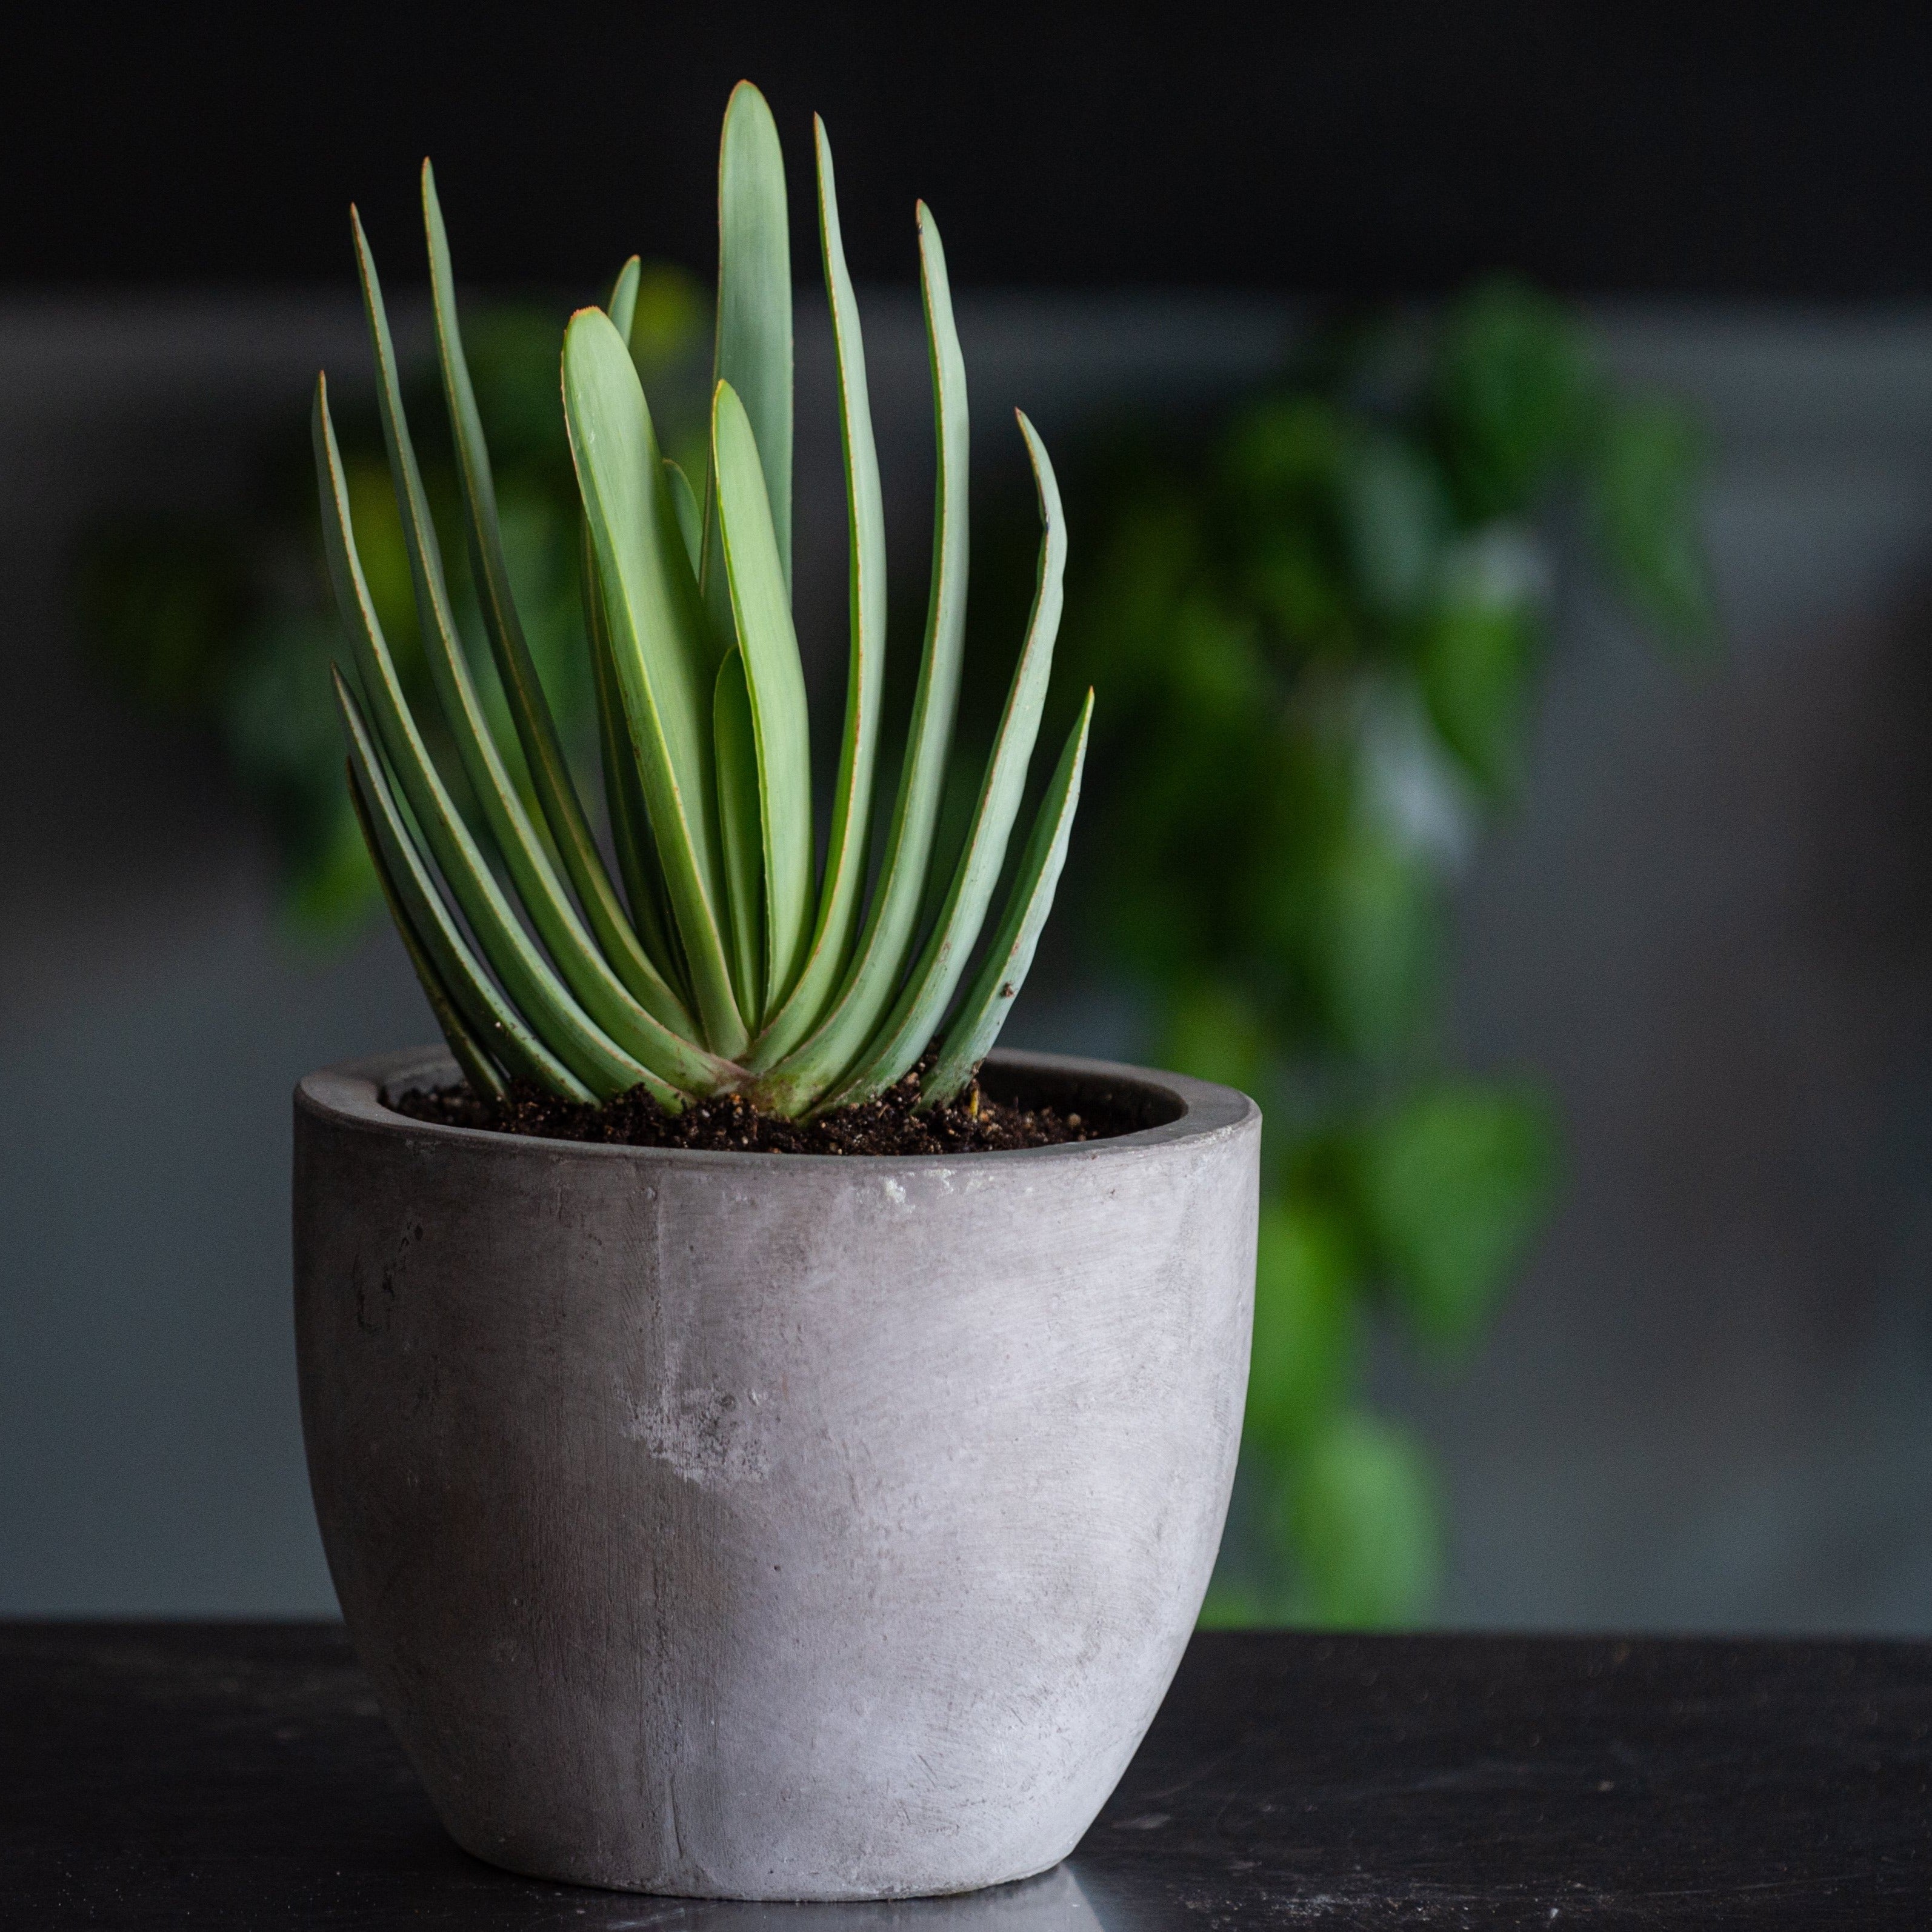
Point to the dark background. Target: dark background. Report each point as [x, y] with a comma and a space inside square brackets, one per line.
[1370, 149]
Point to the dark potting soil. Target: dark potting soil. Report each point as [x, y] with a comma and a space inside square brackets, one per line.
[973, 1124]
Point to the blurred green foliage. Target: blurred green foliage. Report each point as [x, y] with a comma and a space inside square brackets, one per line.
[1316, 632]
[228, 623]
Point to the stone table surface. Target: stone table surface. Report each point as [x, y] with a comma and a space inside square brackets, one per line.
[239, 1775]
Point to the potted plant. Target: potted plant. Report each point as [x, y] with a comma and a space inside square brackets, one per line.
[716, 1515]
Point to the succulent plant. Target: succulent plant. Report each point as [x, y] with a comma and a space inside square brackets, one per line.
[730, 961]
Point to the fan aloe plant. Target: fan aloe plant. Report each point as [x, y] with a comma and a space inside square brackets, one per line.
[732, 960]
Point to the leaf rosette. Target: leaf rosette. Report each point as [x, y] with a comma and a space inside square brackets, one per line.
[718, 953]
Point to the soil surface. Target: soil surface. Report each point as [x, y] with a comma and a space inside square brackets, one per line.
[973, 1124]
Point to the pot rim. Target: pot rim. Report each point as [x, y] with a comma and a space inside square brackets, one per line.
[350, 1094]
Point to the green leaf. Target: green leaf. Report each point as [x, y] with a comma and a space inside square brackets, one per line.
[1281, 514]
[658, 644]
[575, 1039]
[1477, 652]
[1646, 490]
[876, 974]
[983, 1010]
[1363, 1524]
[472, 1056]
[775, 678]
[1516, 392]
[1306, 1336]
[1394, 522]
[623, 794]
[1453, 1186]
[637, 1033]
[1372, 940]
[690, 518]
[736, 736]
[621, 308]
[754, 351]
[843, 889]
[497, 1024]
[903, 1038]
[647, 980]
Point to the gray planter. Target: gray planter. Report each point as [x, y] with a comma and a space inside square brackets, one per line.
[760, 1526]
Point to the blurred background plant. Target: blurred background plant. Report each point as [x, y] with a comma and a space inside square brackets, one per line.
[1315, 624]
[1315, 630]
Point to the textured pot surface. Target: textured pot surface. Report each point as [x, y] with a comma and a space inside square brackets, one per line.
[771, 1526]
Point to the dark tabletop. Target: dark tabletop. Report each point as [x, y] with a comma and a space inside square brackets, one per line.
[239, 1775]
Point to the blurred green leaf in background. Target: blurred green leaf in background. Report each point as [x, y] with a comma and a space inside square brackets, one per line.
[1316, 626]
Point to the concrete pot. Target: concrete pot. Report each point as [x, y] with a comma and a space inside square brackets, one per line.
[766, 1526]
